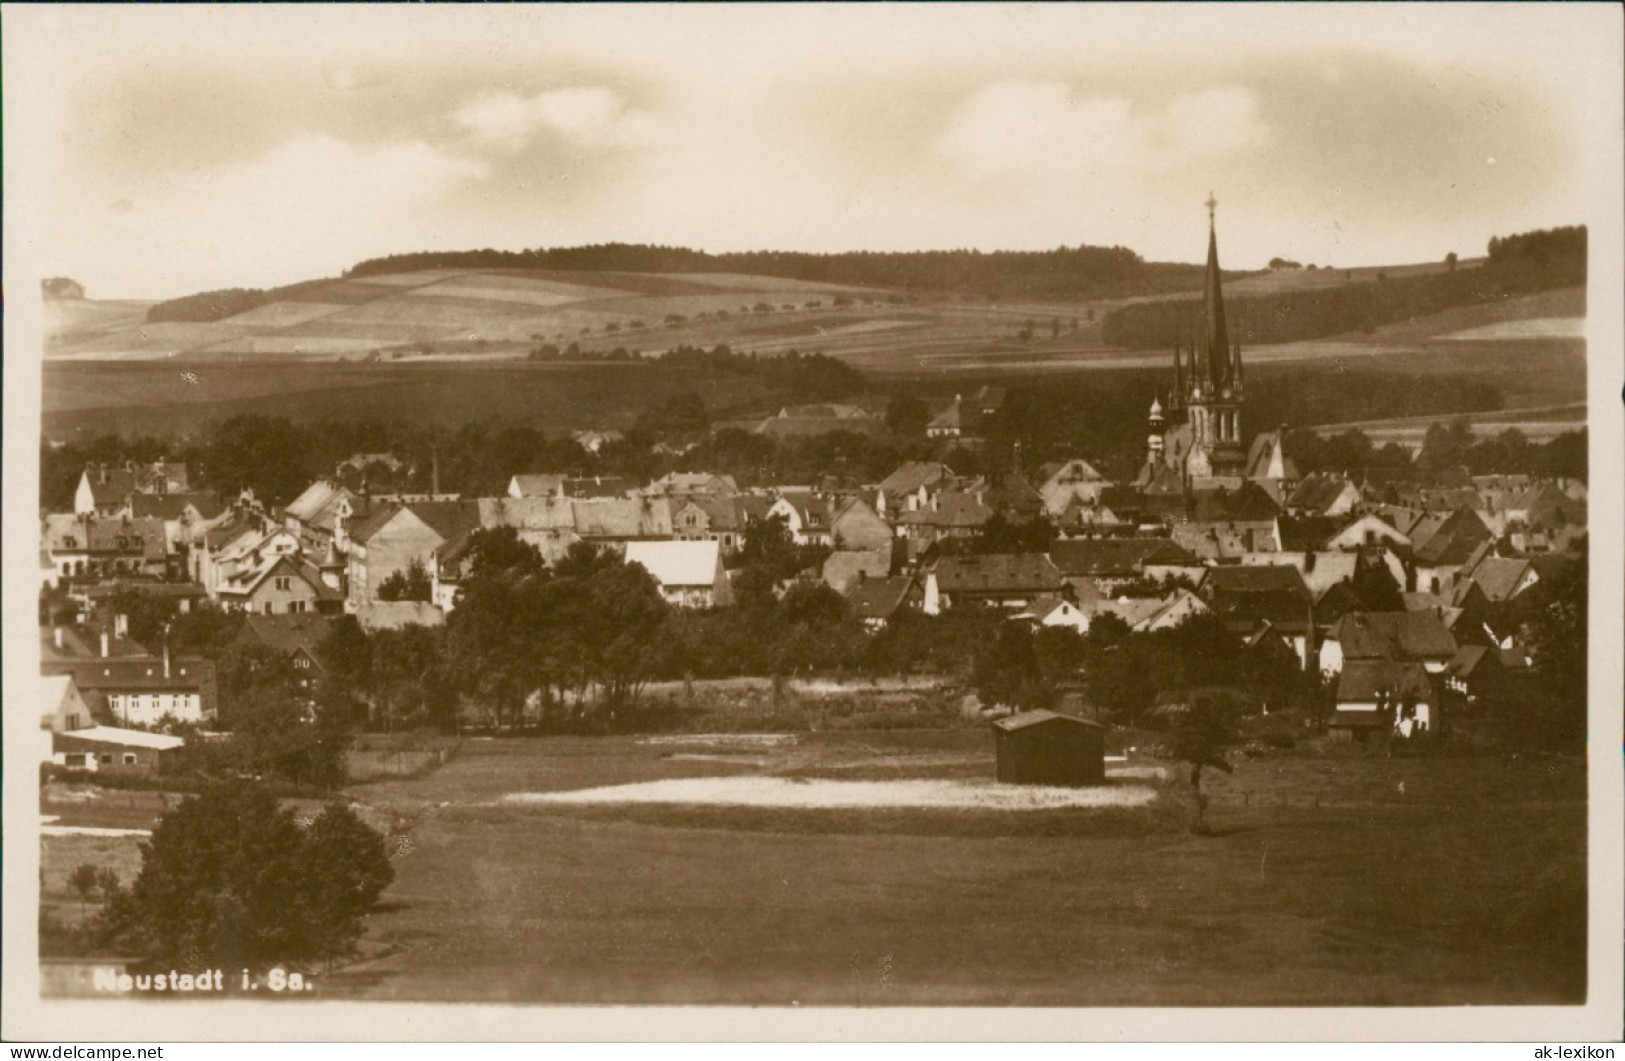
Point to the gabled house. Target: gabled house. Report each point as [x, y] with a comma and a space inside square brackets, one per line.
[690, 574]
[394, 537]
[229, 554]
[547, 522]
[523, 486]
[64, 707]
[949, 515]
[877, 601]
[612, 522]
[1378, 696]
[104, 490]
[843, 567]
[1323, 494]
[1442, 548]
[1008, 581]
[706, 517]
[96, 547]
[312, 517]
[1407, 637]
[1068, 484]
[1111, 562]
[280, 585]
[295, 637]
[1268, 465]
[1369, 530]
[836, 521]
[1502, 578]
[1248, 597]
[910, 487]
[681, 484]
[186, 517]
[143, 690]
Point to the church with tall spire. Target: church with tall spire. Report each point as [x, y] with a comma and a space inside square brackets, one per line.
[1198, 436]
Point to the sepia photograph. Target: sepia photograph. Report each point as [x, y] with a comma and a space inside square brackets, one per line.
[918, 511]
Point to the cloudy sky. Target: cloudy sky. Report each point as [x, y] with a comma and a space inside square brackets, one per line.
[168, 150]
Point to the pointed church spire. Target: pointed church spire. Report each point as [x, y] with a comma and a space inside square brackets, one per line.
[1216, 335]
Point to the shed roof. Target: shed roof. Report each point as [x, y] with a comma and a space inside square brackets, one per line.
[677, 563]
[127, 738]
[1029, 719]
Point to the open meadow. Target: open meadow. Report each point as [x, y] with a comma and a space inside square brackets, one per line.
[1331, 881]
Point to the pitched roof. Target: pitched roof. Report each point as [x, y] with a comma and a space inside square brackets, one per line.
[1393, 636]
[288, 634]
[317, 503]
[1318, 492]
[998, 572]
[1119, 556]
[1261, 578]
[527, 513]
[914, 474]
[173, 506]
[951, 509]
[632, 517]
[1498, 576]
[1261, 454]
[879, 598]
[845, 566]
[144, 673]
[145, 536]
[536, 485]
[1303, 533]
[1469, 659]
[1249, 503]
[446, 518]
[1453, 540]
[1367, 680]
[677, 563]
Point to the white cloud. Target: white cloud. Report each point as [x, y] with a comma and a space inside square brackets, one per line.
[589, 116]
[256, 223]
[1014, 128]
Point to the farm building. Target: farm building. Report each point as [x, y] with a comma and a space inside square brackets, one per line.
[112, 749]
[690, 574]
[1044, 748]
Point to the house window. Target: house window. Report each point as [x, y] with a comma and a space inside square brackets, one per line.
[284, 583]
[73, 722]
[107, 758]
[267, 607]
[301, 662]
[296, 606]
[129, 758]
[74, 759]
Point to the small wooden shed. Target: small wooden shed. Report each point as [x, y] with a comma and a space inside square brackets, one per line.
[1044, 748]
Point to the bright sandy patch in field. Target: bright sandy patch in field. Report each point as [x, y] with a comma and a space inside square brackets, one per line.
[790, 792]
[1536, 328]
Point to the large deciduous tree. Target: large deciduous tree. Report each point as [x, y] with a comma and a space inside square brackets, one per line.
[230, 880]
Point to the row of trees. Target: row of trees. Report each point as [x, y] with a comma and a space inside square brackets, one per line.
[1445, 448]
[1066, 272]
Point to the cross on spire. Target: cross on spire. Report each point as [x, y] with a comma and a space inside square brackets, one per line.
[1211, 204]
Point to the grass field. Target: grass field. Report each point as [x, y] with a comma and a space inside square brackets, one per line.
[1331, 880]
[1466, 885]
